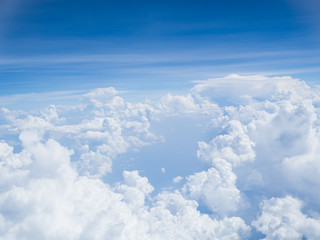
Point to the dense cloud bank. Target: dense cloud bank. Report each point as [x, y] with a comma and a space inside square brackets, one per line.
[261, 175]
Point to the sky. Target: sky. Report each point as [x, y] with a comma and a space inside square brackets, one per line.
[144, 120]
[57, 45]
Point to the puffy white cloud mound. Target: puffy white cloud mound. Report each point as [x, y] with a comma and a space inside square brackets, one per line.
[235, 145]
[215, 187]
[245, 89]
[281, 218]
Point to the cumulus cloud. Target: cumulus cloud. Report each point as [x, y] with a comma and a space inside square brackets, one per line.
[281, 218]
[51, 201]
[255, 138]
[236, 89]
[96, 133]
[94, 162]
[178, 104]
[100, 95]
[182, 220]
[215, 187]
[234, 146]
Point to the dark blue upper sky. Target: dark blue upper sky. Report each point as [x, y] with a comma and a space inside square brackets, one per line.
[54, 45]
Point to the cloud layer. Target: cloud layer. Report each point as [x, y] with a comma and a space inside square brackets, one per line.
[257, 141]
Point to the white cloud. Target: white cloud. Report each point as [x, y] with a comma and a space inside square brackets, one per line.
[236, 89]
[281, 218]
[215, 187]
[234, 146]
[262, 141]
[94, 163]
[101, 96]
[135, 189]
[180, 219]
[177, 179]
[107, 129]
[178, 104]
[53, 202]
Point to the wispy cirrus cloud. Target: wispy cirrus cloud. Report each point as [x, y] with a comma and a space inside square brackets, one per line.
[42, 98]
[61, 72]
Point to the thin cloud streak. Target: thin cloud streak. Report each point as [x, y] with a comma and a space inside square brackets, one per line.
[35, 97]
[190, 56]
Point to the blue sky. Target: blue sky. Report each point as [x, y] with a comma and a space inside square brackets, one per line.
[60, 45]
